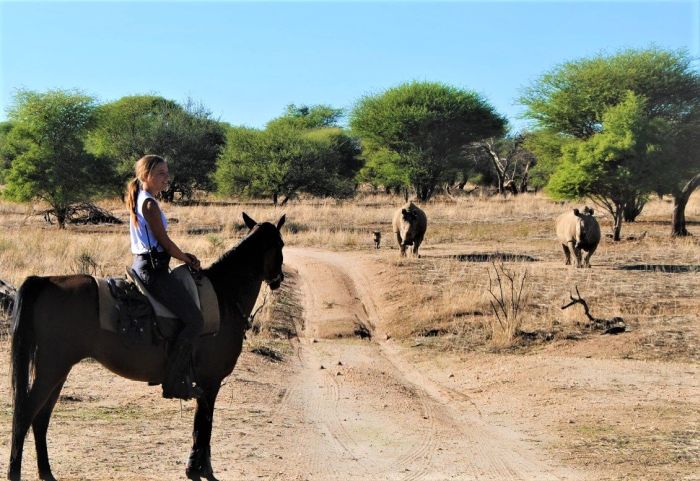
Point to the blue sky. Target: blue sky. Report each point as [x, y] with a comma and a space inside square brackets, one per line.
[247, 61]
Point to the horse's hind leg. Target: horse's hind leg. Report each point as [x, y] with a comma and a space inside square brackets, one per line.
[46, 382]
[40, 426]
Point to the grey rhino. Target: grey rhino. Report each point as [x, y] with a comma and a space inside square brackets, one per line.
[578, 232]
[409, 225]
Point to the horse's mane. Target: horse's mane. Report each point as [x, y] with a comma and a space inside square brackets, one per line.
[228, 256]
[233, 257]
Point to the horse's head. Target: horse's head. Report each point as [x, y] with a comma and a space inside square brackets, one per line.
[271, 244]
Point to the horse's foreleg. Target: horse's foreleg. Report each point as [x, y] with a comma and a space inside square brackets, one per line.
[199, 463]
[40, 426]
[42, 389]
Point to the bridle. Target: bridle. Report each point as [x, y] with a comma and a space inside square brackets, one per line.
[275, 280]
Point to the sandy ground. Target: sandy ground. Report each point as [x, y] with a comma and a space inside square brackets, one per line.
[346, 407]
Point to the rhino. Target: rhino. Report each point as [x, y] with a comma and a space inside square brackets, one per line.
[409, 225]
[578, 232]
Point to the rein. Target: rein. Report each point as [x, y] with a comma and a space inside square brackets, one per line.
[251, 318]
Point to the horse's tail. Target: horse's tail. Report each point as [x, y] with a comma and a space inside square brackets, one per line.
[23, 355]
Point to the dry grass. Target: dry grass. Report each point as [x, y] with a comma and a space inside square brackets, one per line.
[452, 305]
[654, 445]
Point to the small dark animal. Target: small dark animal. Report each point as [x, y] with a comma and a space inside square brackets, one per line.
[377, 239]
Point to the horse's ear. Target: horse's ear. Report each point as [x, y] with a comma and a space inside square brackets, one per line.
[280, 222]
[250, 223]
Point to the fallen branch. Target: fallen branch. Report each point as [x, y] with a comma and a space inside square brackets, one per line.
[615, 325]
[83, 213]
[7, 298]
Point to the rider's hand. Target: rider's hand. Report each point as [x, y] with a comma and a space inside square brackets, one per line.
[194, 262]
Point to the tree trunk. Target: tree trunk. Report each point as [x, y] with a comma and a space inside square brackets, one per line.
[632, 210]
[618, 216]
[680, 200]
[423, 192]
[274, 199]
[61, 216]
[524, 180]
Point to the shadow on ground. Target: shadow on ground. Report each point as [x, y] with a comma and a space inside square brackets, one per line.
[668, 268]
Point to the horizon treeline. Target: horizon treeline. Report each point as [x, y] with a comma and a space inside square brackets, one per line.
[611, 128]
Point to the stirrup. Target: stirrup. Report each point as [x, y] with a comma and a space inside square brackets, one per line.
[183, 391]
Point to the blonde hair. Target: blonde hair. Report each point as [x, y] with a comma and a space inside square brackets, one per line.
[142, 168]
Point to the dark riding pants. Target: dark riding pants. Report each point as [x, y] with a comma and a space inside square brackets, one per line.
[172, 295]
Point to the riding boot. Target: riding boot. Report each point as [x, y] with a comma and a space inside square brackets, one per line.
[179, 374]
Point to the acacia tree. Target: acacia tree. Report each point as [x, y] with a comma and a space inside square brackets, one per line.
[614, 165]
[686, 142]
[421, 128]
[568, 103]
[382, 169]
[49, 159]
[304, 117]
[185, 135]
[288, 158]
[7, 151]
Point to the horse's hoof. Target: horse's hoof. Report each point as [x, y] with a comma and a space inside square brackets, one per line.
[196, 475]
[14, 474]
[47, 477]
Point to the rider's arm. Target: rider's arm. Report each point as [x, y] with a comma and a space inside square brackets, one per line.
[151, 212]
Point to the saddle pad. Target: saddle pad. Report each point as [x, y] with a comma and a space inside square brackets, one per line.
[180, 274]
[206, 296]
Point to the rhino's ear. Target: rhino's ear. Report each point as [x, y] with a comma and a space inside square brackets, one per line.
[588, 210]
[250, 223]
[280, 222]
[577, 213]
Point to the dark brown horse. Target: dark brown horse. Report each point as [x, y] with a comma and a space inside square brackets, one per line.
[56, 324]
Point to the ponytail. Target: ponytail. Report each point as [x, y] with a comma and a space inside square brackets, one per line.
[142, 168]
[132, 194]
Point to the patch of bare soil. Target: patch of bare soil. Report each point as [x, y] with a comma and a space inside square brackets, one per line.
[585, 402]
[108, 428]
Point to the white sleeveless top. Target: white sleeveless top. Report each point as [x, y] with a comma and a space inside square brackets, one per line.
[142, 233]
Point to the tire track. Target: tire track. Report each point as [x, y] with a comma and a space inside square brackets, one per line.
[412, 460]
[492, 452]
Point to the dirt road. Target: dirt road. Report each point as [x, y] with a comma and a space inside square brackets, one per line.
[379, 418]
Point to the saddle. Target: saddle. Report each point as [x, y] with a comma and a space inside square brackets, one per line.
[127, 308]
